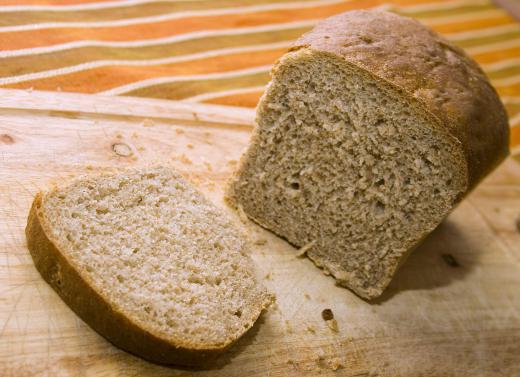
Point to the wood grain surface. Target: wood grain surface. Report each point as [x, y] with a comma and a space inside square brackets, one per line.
[452, 310]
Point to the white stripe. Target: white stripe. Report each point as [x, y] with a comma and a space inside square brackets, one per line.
[487, 32]
[493, 47]
[159, 41]
[514, 120]
[510, 99]
[141, 63]
[88, 6]
[170, 16]
[506, 81]
[170, 79]
[507, 63]
[224, 93]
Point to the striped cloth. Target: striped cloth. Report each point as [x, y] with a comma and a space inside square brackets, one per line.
[215, 51]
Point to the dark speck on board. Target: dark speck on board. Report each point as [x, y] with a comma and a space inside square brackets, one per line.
[327, 314]
[450, 260]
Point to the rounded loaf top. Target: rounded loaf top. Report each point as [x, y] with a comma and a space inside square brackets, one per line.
[426, 67]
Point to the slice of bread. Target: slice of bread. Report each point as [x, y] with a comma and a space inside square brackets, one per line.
[148, 263]
[372, 129]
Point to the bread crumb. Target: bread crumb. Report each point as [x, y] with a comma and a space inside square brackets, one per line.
[327, 314]
[208, 166]
[183, 158]
[232, 162]
[134, 158]
[190, 145]
[332, 324]
[148, 123]
[268, 276]
[335, 363]
[119, 136]
[179, 131]
[260, 241]
[302, 251]
[242, 215]
[288, 326]
[307, 296]
[89, 167]
[290, 362]
[311, 329]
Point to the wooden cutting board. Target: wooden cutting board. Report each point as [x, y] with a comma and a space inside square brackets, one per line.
[452, 310]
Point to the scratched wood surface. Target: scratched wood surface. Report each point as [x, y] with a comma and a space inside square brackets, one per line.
[452, 310]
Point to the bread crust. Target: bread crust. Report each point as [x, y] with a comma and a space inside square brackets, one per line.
[93, 308]
[425, 68]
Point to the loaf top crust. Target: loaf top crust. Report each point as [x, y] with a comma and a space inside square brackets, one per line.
[426, 68]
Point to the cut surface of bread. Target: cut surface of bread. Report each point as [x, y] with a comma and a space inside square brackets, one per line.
[350, 163]
[148, 262]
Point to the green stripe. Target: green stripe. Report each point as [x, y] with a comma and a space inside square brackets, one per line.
[109, 14]
[512, 109]
[451, 11]
[504, 72]
[60, 59]
[186, 89]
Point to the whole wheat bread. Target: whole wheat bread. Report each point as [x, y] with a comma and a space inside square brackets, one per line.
[148, 263]
[372, 129]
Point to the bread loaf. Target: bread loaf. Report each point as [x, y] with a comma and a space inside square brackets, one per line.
[148, 263]
[372, 129]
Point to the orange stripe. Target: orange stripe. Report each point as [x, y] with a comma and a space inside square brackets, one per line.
[244, 100]
[493, 56]
[515, 136]
[104, 78]
[36, 38]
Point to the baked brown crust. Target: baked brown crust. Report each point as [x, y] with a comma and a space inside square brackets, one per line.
[90, 306]
[428, 69]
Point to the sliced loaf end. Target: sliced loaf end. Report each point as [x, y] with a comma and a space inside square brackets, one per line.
[344, 160]
[149, 263]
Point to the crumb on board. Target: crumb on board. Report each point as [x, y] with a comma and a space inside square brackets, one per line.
[183, 158]
[260, 241]
[179, 131]
[119, 136]
[335, 363]
[311, 329]
[303, 250]
[89, 167]
[290, 362]
[232, 162]
[307, 296]
[134, 158]
[190, 145]
[148, 123]
[327, 314]
[333, 325]
[268, 276]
